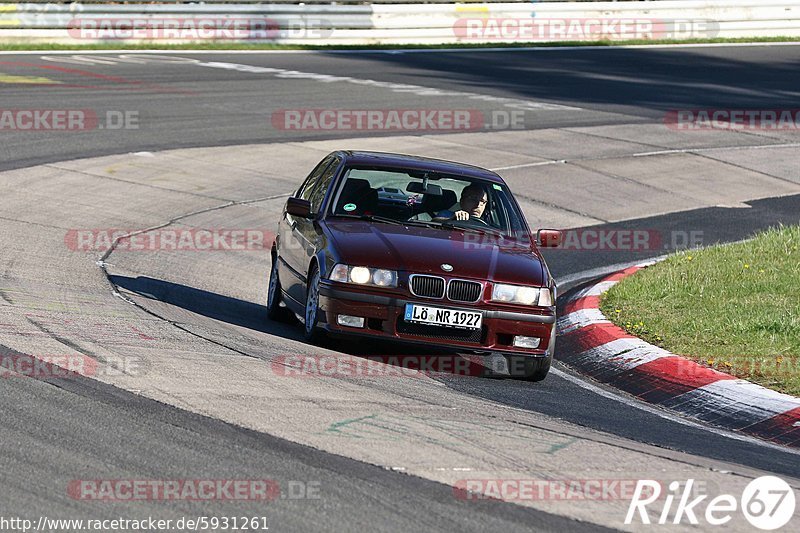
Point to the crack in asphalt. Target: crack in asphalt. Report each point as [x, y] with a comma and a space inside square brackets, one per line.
[741, 167]
[101, 263]
[559, 208]
[120, 180]
[38, 224]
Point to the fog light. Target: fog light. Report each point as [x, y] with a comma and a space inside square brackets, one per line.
[526, 342]
[351, 321]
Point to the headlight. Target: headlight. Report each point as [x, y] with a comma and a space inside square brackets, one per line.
[516, 294]
[384, 278]
[359, 275]
[364, 275]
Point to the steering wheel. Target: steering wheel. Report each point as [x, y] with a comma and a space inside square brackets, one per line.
[472, 218]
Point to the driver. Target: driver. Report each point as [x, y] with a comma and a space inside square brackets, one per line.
[472, 205]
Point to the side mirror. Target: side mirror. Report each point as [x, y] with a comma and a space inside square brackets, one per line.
[549, 238]
[298, 207]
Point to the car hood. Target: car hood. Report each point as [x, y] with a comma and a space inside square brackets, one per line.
[424, 250]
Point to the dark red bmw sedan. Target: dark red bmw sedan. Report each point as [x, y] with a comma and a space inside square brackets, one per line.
[453, 264]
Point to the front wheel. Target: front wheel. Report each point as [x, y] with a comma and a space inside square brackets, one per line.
[528, 368]
[311, 332]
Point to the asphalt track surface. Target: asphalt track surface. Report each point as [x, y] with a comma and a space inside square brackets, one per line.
[56, 431]
[180, 106]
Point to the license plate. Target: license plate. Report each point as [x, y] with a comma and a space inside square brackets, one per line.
[452, 318]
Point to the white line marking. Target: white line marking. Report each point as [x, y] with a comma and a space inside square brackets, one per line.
[592, 290]
[580, 319]
[526, 165]
[661, 152]
[717, 148]
[574, 279]
[626, 353]
[599, 288]
[637, 404]
[744, 398]
[419, 90]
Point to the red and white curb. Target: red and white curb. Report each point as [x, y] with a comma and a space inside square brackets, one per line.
[611, 355]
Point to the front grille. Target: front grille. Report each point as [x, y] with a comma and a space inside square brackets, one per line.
[439, 332]
[427, 286]
[459, 290]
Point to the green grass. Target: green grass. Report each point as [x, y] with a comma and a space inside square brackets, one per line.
[733, 307]
[222, 45]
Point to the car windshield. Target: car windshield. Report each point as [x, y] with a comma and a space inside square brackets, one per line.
[427, 198]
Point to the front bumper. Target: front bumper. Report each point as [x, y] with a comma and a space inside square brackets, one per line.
[384, 318]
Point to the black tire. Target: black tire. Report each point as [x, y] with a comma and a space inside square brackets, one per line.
[528, 368]
[274, 310]
[311, 332]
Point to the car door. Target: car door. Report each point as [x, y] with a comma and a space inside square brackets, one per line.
[300, 236]
[289, 253]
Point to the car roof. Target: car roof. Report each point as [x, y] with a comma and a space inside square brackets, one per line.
[387, 159]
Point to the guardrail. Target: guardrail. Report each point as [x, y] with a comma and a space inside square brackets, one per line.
[396, 23]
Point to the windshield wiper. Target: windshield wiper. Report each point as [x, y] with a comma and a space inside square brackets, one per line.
[424, 223]
[373, 218]
[485, 231]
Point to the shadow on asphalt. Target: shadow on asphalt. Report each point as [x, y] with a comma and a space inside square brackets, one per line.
[205, 303]
[254, 317]
[654, 79]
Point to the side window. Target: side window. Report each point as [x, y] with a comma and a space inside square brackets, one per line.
[305, 189]
[318, 191]
[510, 221]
